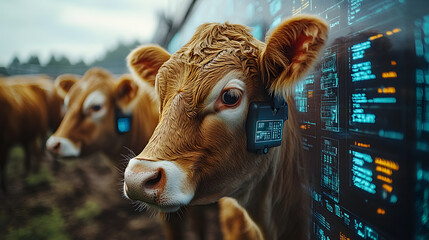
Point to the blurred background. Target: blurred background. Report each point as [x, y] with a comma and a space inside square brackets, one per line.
[363, 112]
[54, 37]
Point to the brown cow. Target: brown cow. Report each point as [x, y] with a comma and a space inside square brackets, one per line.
[29, 107]
[89, 123]
[92, 105]
[198, 152]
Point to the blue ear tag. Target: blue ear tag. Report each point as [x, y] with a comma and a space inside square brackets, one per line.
[264, 126]
[123, 121]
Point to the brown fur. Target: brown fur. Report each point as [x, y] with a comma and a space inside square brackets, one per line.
[29, 107]
[125, 93]
[145, 65]
[270, 188]
[129, 95]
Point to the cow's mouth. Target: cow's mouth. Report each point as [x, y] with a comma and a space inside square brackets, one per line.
[63, 147]
[141, 205]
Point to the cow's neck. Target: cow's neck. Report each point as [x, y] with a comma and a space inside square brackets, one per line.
[278, 203]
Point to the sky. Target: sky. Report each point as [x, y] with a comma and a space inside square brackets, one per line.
[77, 29]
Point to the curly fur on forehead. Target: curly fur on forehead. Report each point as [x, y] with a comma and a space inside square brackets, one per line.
[214, 50]
[211, 39]
[96, 73]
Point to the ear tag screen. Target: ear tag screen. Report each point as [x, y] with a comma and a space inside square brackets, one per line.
[123, 121]
[264, 126]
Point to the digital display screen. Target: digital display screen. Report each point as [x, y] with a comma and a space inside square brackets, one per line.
[363, 110]
[267, 130]
[374, 174]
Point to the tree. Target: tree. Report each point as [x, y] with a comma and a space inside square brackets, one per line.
[3, 71]
[14, 66]
[15, 62]
[34, 60]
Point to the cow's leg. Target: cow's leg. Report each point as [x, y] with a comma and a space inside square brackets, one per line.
[36, 155]
[235, 221]
[3, 163]
[27, 157]
[32, 156]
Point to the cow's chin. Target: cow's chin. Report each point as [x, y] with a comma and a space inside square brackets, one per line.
[155, 209]
[60, 157]
[165, 207]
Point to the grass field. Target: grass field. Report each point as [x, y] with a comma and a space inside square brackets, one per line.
[77, 199]
[80, 199]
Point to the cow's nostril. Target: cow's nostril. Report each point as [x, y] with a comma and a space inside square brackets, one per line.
[154, 180]
[57, 146]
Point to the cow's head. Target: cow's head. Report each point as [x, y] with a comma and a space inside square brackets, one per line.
[88, 125]
[197, 153]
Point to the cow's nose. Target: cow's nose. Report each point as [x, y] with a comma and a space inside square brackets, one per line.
[53, 145]
[63, 147]
[144, 184]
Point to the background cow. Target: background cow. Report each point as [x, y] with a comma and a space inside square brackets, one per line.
[89, 124]
[198, 152]
[29, 107]
[92, 105]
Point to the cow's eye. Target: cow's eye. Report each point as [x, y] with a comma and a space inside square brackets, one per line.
[95, 108]
[231, 97]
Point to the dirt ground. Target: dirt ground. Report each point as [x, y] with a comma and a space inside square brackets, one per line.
[77, 199]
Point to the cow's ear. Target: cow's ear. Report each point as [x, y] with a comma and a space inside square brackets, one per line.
[290, 50]
[64, 82]
[145, 61]
[126, 90]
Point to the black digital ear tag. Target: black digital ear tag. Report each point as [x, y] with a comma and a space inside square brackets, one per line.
[264, 126]
[123, 121]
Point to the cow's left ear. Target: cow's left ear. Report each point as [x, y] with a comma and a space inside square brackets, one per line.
[145, 61]
[291, 49]
[126, 90]
[64, 82]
